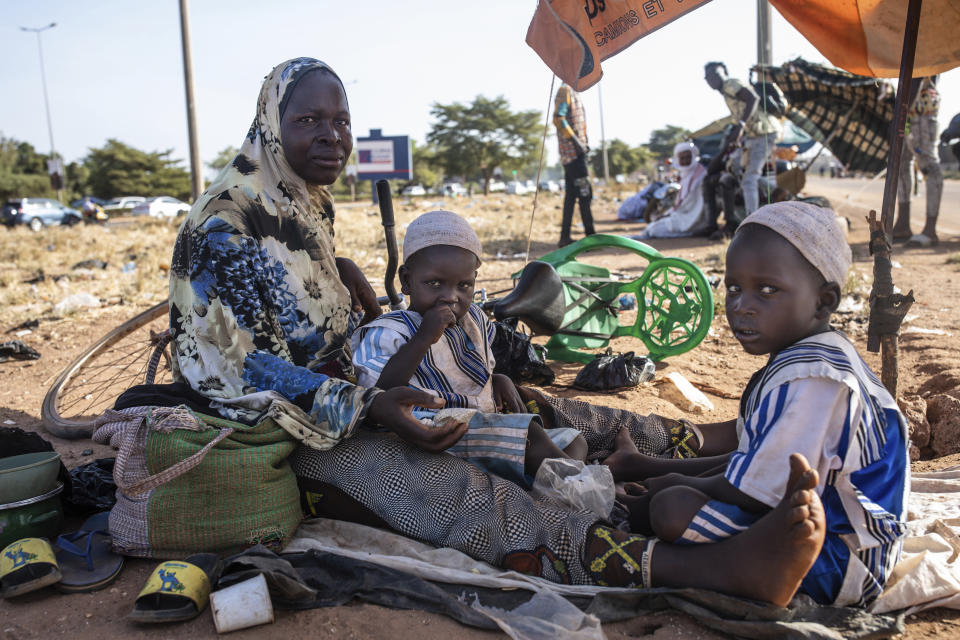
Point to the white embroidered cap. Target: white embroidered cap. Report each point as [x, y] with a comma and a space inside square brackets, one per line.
[438, 228]
[813, 230]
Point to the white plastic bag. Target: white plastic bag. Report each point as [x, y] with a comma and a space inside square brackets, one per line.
[576, 485]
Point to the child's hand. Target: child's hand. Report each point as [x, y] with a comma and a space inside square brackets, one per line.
[435, 320]
[659, 483]
[393, 409]
[505, 395]
[362, 296]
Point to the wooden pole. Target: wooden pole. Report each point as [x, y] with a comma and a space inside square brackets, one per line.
[196, 166]
[887, 309]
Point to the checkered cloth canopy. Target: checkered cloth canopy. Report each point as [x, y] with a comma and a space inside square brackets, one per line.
[820, 97]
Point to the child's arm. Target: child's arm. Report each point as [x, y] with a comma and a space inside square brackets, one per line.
[403, 364]
[718, 438]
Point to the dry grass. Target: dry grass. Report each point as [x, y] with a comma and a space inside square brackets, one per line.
[36, 269]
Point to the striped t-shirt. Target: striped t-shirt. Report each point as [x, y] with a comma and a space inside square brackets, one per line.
[819, 398]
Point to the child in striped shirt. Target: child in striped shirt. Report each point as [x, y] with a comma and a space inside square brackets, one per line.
[442, 344]
[815, 396]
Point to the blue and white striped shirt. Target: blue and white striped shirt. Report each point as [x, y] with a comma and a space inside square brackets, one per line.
[819, 398]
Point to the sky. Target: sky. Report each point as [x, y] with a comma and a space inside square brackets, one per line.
[114, 68]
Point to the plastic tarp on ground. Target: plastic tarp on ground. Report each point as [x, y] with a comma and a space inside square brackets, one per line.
[857, 110]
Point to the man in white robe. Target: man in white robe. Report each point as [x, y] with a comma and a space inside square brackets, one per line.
[687, 216]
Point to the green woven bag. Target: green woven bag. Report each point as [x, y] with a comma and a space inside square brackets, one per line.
[188, 482]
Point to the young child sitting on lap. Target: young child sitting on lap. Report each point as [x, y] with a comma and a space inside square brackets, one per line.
[815, 396]
[442, 344]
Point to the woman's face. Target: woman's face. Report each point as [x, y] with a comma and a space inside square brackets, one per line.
[315, 129]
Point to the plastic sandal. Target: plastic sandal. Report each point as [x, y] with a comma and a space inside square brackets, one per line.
[27, 565]
[86, 557]
[177, 590]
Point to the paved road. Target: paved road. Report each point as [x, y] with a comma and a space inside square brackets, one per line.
[869, 193]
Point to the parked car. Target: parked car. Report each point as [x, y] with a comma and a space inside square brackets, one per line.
[161, 207]
[497, 185]
[551, 186]
[519, 187]
[124, 202]
[413, 190]
[453, 189]
[38, 213]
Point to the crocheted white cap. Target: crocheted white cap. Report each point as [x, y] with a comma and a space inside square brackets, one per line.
[440, 227]
[813, 230]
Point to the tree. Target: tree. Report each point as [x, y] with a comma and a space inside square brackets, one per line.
[23, 171]
[621, 158]
[663, 140]
[223, 158]
[481, 136]
[425, 163]
[117, 169]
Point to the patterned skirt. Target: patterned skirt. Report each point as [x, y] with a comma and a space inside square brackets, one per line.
[448, 502]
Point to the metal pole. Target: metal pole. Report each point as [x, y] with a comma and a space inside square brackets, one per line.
[46, 100]
[764, 41]
[887, 309]
[196, 168]
[603, 138]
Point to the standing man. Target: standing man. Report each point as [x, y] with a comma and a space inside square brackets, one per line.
[920, 144]
[572, 138]
[758, 130]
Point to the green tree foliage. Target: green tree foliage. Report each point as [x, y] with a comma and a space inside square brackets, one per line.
[117, 169]
[622, 158]
[23, 171]
[481, 136]
[663, 140]
[223, 158]
[427, 170]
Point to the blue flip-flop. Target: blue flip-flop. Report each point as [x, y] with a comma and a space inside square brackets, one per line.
[86, 558]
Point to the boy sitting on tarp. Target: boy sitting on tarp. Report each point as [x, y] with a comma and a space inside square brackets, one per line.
[816, 396]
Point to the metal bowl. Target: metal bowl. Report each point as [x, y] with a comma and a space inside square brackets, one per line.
[28, 475]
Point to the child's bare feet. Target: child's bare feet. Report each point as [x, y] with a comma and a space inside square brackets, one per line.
[767, 561]
[624, 460]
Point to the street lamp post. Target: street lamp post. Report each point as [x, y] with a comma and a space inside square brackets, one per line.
[46, 100]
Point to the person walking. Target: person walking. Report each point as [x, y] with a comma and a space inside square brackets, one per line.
[920, 146]
[758, 130]
[572, 139]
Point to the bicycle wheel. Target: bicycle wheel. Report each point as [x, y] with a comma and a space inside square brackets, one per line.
[113, 364]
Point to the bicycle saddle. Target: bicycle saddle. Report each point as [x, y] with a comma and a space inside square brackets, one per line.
[537, 299]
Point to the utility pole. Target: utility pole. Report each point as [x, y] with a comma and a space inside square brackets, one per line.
[764, 38]
[46, 102]
[603, 138]
[196, 167]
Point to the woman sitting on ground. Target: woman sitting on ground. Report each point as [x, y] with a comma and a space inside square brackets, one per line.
[261, 311]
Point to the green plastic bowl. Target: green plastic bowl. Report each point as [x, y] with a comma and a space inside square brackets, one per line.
[28, 475]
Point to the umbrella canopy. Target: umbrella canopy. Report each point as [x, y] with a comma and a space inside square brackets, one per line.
[865, 37]
[574, 36]
[847, 113]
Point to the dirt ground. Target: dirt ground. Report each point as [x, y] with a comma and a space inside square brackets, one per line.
[35, 273]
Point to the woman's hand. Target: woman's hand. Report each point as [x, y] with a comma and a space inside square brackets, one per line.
[393, 409]
[505, 395]
[362, 296]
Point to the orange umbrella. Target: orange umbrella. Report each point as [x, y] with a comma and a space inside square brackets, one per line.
[865, 37]
[574, 36]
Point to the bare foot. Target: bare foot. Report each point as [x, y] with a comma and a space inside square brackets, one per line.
[767, 561]
[625, 460]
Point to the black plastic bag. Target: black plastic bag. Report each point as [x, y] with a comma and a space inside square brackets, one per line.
[609, 371]
[518, 358]
[93, 487]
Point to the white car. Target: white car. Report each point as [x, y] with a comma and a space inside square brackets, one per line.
[413, 190]
[551, 186]
[497, 185]
[518, 187]
[162, 207]
[453, 189]
[125, 202]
